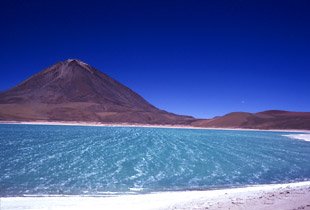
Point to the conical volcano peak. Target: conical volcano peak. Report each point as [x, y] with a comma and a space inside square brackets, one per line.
[73, 64]
[75, 61]
[74, 81]
[72, 90]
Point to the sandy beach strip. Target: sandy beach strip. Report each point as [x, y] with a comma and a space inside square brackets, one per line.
[273, 196]
[76, 123]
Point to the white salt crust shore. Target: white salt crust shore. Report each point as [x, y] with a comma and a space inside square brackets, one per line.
[305, 137]
[273, 196]
[76, 123]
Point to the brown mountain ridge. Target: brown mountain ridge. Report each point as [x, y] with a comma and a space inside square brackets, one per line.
[272, 119]
[75, 91]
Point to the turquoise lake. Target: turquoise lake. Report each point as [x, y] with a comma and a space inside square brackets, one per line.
[85, 160]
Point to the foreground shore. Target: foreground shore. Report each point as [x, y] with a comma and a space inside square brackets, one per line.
[277, 196]
[75, 123]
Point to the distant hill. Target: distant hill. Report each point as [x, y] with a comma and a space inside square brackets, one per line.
[75, 91]
[272, 119]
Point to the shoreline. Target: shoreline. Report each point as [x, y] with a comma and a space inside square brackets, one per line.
[267, 196]
[76, 123]
[304, 137]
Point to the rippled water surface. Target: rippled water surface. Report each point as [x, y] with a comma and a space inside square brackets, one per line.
[42, 159]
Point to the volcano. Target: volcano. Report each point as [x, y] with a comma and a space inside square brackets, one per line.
[75, 91]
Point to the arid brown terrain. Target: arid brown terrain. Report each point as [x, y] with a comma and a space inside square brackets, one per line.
[272, 119]
[75, 91]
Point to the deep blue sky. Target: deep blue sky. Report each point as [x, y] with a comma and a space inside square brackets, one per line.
[200, 58]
